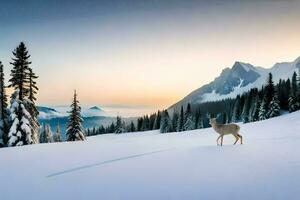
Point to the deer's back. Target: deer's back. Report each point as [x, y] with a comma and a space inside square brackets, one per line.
[227, 129]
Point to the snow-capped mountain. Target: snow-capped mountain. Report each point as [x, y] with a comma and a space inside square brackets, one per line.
[62, 111]
[240, 78]
[48, 113]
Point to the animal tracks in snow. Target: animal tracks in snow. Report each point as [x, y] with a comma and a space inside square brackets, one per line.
[104, 163]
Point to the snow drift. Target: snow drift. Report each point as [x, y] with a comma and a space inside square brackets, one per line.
[150, 165]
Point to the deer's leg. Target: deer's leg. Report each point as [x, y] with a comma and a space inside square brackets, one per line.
[218, 140]
[236, 138]
[241, 137]
[222, 140]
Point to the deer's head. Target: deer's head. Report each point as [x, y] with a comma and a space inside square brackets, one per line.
[212, 121]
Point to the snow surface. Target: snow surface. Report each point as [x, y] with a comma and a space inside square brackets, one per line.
[150, 165]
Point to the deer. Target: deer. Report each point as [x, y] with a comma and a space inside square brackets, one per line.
[226, 129]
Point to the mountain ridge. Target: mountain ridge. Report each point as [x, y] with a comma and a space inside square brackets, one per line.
[241, 77]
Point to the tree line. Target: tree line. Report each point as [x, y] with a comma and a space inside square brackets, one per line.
[255, 105]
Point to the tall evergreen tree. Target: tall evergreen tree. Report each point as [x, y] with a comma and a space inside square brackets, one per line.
[294, 84]
[180, 120]
[119, 126]
[254, 109]
[22, 106]
[74, 128]
[189, 122]
[293, 100]
[262, 114]
[236, 109]
[157, 121]
[269, 90]
[4, 112]
[175, 120]
[246, 108]
[274, 107]
[198, 120]
[166, 123]
[132, 127]
[20, 72]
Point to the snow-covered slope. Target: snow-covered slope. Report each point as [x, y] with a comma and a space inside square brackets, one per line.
[238, 79]
[149, 165]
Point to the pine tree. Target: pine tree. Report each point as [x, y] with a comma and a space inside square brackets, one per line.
[57, 134]
[132, 127]
[236, 109]
[140, 124]
[20, 72]
[198, 120]
[246, 108]
[262, 114]
[180, 120]
[294, 84]
[4, 112]
[166, 123]
[293, 104]
[269, 90]
[74, 130]
[157, 121]
[20, 132]
[46, 134]
[146, 123]
[189, 122]
[254, 109]
[119, 126]
[274, 107]
[175, 120]
[24, 129]
[293, 101]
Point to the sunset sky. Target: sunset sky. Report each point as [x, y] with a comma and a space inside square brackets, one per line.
[135, 52]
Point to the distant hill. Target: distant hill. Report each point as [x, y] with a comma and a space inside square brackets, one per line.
[95, 108]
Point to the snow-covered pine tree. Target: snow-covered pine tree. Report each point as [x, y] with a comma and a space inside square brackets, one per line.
[166, 123]
[262, 114]
[57, 135]
[4, 112]
[74, 130]
[189, 123]
[119, 126]
[293, 104]
[46, 134]
[274, 107]
[23, 81]
[180, 120]
[20, 131]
